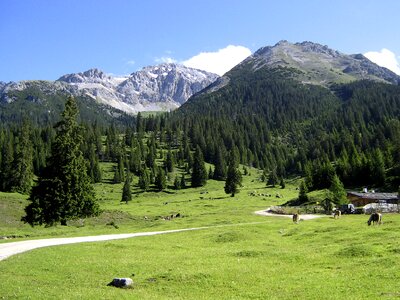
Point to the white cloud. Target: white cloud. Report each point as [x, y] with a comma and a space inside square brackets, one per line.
[165, 59]
[218, 62]
[385, 58]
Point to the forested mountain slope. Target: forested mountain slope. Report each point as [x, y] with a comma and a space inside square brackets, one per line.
[41, 104]
[280, 123]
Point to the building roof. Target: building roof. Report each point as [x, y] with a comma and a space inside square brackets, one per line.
[374, 196]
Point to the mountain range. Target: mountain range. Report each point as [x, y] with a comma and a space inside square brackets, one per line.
[166, 87]
[155, 88]
[288, 108]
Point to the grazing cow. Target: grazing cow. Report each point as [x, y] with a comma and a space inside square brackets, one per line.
[296, 218]
[375, 218]
[337, 213]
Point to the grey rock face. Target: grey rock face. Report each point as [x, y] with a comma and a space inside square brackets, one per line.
[92, 75]
[165, 83]
[156, 88]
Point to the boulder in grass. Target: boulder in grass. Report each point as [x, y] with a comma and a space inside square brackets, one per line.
[121, 282]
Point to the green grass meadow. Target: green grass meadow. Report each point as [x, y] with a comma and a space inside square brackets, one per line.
[239, 256]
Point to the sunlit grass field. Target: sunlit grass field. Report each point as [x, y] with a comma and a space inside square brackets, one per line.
[239, 256]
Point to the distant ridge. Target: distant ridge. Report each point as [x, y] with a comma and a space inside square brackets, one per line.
[155, 88]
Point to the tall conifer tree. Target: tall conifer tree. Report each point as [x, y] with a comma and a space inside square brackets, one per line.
[199, 174]
[144, 179]
[233, 178]
[64, 190]
[303, 198]
[22, 172]
[220, 166]
[338, 192]
[6, 163]
[126, 191]
[161, 182]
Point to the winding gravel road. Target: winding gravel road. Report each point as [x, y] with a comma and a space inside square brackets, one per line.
[9, 249]
[12, 248]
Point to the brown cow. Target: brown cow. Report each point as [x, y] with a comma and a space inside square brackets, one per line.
[296, 218]
[375, 218]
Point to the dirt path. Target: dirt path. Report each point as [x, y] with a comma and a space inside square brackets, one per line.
[269, 214]
[9, 249]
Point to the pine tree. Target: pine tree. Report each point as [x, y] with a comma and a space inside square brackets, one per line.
[378, 168]
[151, 158]
[177, 183]
[169, 162]
[97, 175]
[22, 171]
[144, 180]
[126, 191]
[6, 163]
[160, 182]
[135, 160]
[119, 172]
[210, 173]
[264, 175]
[64, 190]
[139, 124]
[233, 178]
[183, 182]
[303, 198]
[273, 178]
[199, 174]
[94, 168]
[113, 146]
[282, 183]
[308, 175]
[339, 195]
[220, 167]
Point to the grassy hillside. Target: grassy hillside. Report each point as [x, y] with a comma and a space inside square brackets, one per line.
[199, 207]
[244, 256]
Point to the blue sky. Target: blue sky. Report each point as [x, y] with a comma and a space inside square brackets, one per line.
[47, 39]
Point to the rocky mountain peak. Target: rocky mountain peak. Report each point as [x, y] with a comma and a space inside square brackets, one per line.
[168, 69]
[319, 64]
[92, 75]
[169, 83]
[318, 48]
